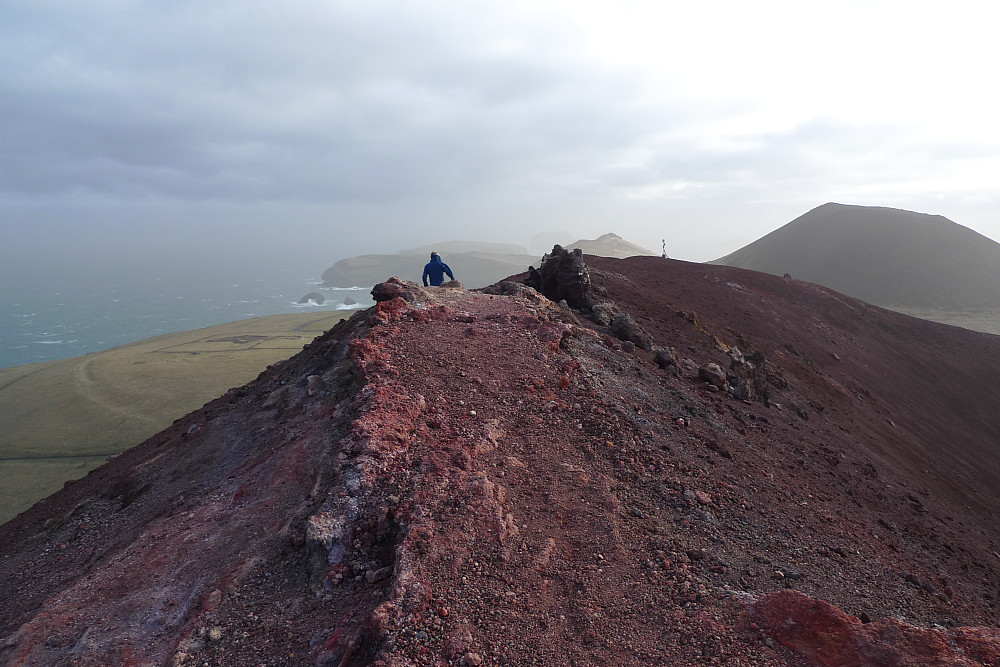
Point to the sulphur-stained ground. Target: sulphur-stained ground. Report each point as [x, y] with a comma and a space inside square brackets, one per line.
[462, 478]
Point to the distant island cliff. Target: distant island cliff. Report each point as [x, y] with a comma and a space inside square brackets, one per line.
[476, 264]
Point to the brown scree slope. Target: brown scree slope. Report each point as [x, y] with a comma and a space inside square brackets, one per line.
[462, 478]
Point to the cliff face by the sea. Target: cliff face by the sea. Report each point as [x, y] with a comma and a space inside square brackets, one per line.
[476, 265]
[698, 465]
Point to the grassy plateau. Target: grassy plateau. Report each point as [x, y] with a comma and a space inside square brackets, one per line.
[61, 419]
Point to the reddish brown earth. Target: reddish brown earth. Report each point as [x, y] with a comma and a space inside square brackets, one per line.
[462, 478]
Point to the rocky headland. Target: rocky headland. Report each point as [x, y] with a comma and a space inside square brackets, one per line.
[669, 464]
[476, 265]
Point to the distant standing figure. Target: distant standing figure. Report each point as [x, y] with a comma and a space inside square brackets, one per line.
[435, 270]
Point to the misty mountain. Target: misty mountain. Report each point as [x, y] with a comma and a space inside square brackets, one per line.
[472, 269]
[455, 247]
[610, 245]
[885, 256]
[475, 264]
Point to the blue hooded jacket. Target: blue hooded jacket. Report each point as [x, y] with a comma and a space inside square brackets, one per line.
[435, 270]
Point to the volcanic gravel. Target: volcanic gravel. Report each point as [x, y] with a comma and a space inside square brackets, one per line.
[461, 478]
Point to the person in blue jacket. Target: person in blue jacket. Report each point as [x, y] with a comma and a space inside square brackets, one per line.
[435, 270]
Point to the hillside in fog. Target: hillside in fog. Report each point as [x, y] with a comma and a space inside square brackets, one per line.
[885, 256]
[475, 264]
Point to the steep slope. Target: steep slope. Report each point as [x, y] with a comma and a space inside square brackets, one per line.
[884, 256]
[63, 418]
[465, 478]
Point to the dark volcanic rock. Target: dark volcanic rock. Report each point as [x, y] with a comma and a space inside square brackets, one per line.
[750, 379]
[315, 297]
[564, 275]
[665, 358]
[626, 328]
[511, 288]
[394, 287]
[713, 375]
[602, 314]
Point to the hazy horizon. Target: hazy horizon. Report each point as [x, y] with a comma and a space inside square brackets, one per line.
[252, 129]
[170, 138]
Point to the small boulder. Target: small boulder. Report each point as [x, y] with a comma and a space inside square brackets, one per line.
[602, 314]
[458, 642]
[743, 391]
[664, 358]
[713, 375]
[822, 634]
[625, 328]
[689, 366]
[511, 288]
[394, 287]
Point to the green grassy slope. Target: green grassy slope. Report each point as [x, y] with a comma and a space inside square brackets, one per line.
[60, 419]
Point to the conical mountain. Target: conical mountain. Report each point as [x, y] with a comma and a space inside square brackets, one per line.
[609, 245]
[885, 256]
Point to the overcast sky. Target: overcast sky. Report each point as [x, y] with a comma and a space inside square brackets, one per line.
[346, 127]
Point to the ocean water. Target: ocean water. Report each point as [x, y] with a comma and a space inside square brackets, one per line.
[56, 315]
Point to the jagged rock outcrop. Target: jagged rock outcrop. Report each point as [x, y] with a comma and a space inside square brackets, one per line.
[396, 288]
[314, 297]
[749, 377]
[564, 275]
[827, 637]
[511, 288]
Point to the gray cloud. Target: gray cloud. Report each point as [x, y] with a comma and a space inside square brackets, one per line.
[396, 111]
[266, 104]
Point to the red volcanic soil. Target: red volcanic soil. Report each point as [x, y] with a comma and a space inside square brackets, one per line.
[460, 478]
